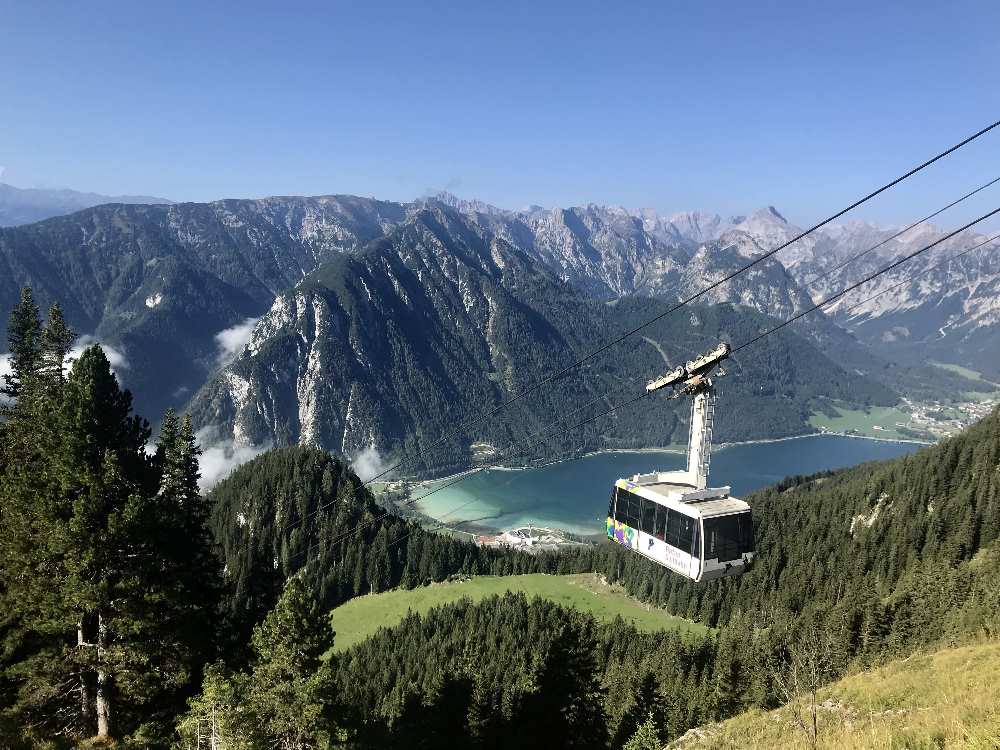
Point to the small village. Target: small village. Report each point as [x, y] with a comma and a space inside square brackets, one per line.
[533, 539]
[943, 419]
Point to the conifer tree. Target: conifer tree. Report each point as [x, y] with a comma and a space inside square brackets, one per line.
[564, 709]
[24, 333]
[111, 627]
[647, 704]
[646, 737]
[56, 340]
[287, 688]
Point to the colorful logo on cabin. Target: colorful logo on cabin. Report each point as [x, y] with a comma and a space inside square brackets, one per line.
[621, 533]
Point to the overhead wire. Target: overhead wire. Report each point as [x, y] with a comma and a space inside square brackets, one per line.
[776, 328]
[858, 256]
[915, 276]
[517, 396]
[865, 280]
[605, 347]
[462, 477]
[841, 265]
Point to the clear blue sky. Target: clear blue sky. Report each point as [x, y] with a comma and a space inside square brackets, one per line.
[724, 106]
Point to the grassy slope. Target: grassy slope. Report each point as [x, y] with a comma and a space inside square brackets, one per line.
[947, 699]
[864, 421]
[361, 617]
[965, 372]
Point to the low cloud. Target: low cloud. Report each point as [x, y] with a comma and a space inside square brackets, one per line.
[231, 341]
[368, 463]
[219, 456]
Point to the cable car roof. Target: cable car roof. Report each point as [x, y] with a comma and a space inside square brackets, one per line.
[706, 503]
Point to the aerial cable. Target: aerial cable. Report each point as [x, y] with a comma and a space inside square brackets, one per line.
[555, 376]
[865, 280]
[824, 274]
[517, 396]
[540, 435]
[857, 256]
[920, 273]
[790, 320]
[827, 272]
[615, 408]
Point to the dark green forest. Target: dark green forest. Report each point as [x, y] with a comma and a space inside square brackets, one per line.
[294, 509]
[427, 330]
[919, 568]
[110, 588]
[137, 610]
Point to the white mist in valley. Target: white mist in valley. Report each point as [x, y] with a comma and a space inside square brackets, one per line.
[5, 369]
[116, 358]
[232, 340]
[220, 456]
[368, 463]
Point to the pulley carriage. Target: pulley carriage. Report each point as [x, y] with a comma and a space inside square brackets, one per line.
[673, 517]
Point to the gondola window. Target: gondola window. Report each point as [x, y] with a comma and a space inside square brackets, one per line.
[660, 529]
[648, 516]
[726, 537]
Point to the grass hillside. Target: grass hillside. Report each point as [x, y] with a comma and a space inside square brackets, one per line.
[948, 699]
[361, 617]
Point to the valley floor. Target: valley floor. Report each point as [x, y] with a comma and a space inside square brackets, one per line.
[363, 616]
[914, 419]
[947, 699]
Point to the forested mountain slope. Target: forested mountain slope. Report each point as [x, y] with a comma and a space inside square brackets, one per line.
[395, 346]
[174, 288]
[160, 282]
[296, 507]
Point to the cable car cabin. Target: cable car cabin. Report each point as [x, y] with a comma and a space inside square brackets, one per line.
[700, 534]
[674, 517]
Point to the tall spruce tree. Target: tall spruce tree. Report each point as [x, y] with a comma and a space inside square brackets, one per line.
[107, 570]
[24, 333]
[288, 689]
[55, 342]
[38, 670]
[646, 737]
[285, 699]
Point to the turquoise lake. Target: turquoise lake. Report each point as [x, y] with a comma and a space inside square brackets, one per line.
[574, 495]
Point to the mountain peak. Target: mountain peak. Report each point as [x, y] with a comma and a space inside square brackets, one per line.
[465, 206]
[774, 212]
[768, 214]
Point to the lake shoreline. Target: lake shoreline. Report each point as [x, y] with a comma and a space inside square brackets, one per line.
[667, 449]
[571, 494]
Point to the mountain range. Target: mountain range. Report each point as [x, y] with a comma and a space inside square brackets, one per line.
[350, 322]
[27, 205]
[397, 345]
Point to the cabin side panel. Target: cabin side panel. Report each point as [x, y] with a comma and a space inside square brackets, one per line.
[653, 531]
